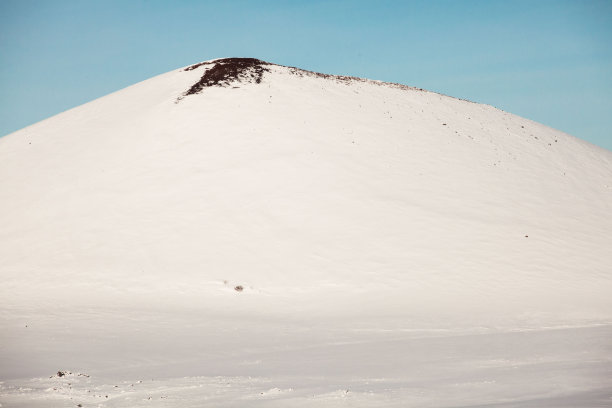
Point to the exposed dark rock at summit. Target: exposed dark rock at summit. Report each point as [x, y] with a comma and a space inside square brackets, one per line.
[227, 71]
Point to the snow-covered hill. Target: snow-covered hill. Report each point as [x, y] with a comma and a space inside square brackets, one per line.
[317, 233]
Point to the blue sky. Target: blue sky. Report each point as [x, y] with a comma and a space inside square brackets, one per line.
[550, 61]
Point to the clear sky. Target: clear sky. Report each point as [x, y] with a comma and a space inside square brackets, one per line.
[550, 61]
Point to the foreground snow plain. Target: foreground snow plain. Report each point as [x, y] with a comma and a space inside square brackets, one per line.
[395, 247]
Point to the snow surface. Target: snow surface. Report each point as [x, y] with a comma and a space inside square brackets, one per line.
[396, 247]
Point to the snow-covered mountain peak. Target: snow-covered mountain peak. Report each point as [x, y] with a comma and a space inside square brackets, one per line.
[335, 238]
[264, 174]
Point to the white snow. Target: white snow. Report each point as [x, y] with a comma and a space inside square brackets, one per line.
[396, 247]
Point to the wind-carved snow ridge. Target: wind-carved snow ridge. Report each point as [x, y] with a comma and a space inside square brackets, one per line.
[227, 72]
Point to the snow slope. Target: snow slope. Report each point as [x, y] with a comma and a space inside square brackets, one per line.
[409, 247]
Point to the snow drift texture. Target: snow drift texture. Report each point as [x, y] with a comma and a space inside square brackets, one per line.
[333, 201]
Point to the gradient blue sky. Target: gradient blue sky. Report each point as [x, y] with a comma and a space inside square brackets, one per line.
[550, 61]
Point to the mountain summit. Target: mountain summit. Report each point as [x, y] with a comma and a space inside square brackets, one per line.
[226, 72]
[237, 195]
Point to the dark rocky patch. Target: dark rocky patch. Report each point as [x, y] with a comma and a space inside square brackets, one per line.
[227, 71]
